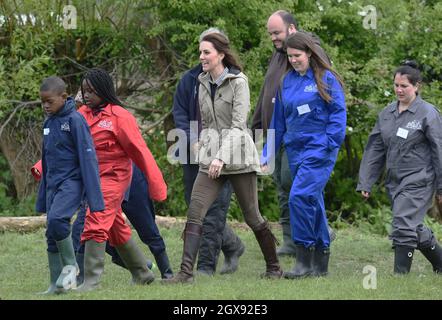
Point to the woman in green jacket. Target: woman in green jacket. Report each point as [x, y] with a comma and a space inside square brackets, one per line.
[226, 152]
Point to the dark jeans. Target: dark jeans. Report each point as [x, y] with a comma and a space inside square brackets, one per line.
[283, 181]
[217, 234]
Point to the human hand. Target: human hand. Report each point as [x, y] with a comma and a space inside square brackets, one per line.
[365, 195]
[215, 168]
[195, 147]
[264, 168]
[36, 174]
[194, 151]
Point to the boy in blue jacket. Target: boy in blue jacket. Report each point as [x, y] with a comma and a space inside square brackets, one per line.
[70, 171]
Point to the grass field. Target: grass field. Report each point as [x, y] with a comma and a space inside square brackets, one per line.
[23, 273]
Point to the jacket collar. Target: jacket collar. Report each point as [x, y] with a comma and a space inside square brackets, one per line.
[69, 105]
[92, 119]
[415, 104]
[107, 110]
[204, 77]
[412, 108]
[309, 74]
[220, 78]
[195, 71]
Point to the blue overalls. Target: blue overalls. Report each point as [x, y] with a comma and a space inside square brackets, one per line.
[70, 172]
[312, 131]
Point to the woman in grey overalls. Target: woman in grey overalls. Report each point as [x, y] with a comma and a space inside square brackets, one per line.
[407, 138]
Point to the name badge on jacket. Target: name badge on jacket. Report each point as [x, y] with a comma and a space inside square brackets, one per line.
[45, 131]
[403, 133]
[303, 109]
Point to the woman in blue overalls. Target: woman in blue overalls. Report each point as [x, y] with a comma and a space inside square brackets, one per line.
[310, 118]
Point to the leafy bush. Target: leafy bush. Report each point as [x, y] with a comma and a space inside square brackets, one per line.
[149, 44]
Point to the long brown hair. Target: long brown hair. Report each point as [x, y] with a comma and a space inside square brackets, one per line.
[305, 42]
[222, 45]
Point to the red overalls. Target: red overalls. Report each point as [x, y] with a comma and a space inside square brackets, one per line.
[117, 140]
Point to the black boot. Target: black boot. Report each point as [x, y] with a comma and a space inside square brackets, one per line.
[231, 260]
[267, 241]
[320, 262]
[288, 247]
[135, 262]
[80, 261]
[233, 248]
[303, 263]
[192, 238]
[164, 265]
[403, 257]
[434, 255]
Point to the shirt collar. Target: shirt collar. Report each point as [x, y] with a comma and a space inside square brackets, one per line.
[309, 74]
[220, 78]
[415, 104]
[412, 108]
[105, 110]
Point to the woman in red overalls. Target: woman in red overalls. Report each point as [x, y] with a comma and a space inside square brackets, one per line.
[118, 141]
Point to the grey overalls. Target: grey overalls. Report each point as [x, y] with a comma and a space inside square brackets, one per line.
[410, 144]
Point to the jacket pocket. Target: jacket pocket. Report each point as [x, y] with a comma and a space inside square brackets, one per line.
[414, 178]
[108, 172]
[242, 152]
[104, 140]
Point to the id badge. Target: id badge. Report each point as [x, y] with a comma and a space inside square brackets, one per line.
[303, 109]
[403, 133]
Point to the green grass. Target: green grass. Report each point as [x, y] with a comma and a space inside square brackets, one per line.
[23, 272]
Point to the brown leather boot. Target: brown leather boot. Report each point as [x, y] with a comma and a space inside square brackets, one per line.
[192, 238]
[267, 241]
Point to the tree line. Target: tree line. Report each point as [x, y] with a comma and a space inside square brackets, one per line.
[147, 45]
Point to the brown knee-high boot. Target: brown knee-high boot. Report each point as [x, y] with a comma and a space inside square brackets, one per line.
[267, 241]
[192, 238]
